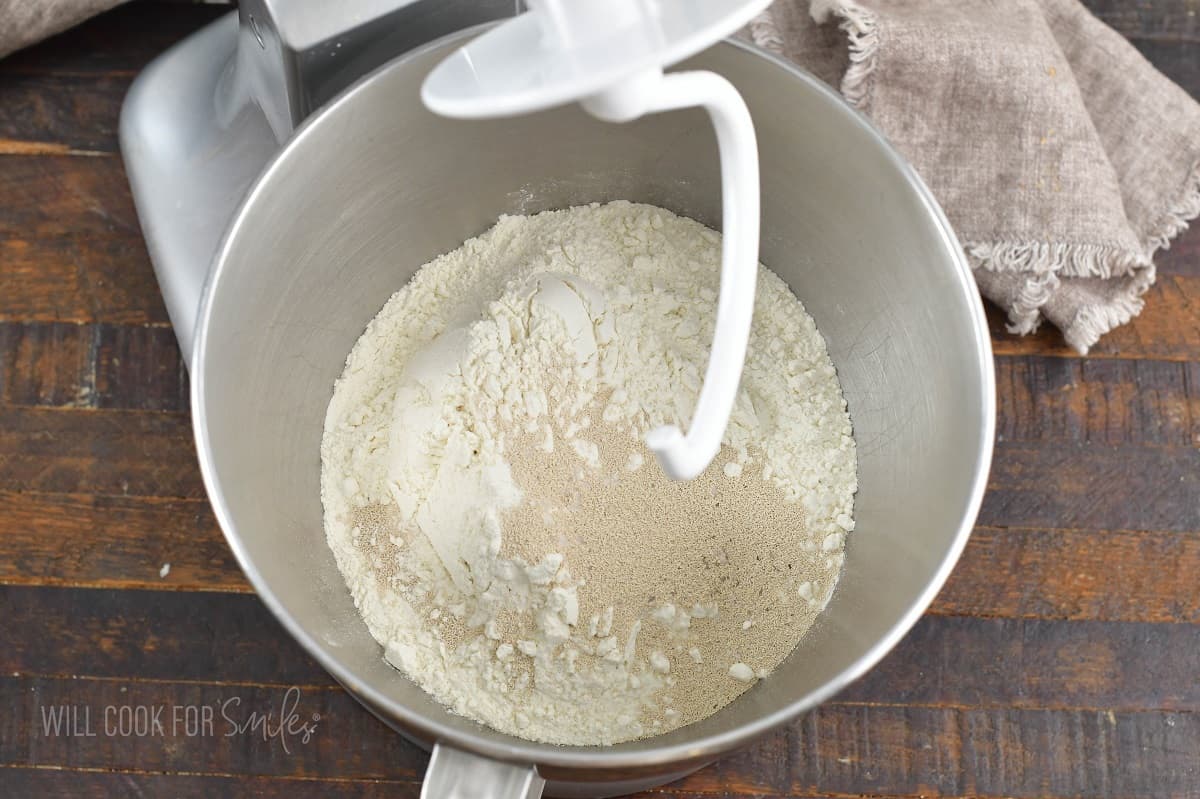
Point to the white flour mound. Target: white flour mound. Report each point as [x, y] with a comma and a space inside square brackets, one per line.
[508, 385]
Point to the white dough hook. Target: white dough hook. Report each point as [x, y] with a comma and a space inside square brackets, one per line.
[609, 55]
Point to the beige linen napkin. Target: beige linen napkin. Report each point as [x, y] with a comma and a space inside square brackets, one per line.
[1062, 157]
[23, 22]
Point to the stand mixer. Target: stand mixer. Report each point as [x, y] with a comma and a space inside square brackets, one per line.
[229, 97]
[275, 244]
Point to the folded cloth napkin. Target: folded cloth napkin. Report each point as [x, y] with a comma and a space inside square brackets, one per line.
[23, 22]
[1063, 159]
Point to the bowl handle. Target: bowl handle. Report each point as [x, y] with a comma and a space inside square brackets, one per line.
[455, 774]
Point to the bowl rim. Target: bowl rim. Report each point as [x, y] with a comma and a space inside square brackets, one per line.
[519, 750]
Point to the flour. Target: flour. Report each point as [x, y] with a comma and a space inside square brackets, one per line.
[504, 532]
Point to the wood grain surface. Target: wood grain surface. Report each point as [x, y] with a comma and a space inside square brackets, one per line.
[1062, 659]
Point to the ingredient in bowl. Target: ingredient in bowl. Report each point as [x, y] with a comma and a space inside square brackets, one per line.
[506, 535]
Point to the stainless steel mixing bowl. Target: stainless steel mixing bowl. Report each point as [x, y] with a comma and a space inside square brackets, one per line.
[374, 186]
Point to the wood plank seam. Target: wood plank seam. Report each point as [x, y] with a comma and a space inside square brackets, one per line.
[44, 148]
[149, 772]
[139, 585]
[139, 680]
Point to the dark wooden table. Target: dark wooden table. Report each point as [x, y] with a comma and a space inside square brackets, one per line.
[1061, 660]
